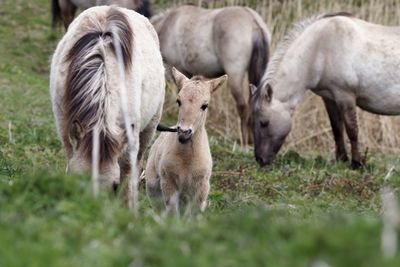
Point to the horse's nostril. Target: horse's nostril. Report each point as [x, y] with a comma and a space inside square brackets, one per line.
[189, 131]
[261, 161]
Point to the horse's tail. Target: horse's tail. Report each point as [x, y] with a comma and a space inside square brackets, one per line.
[55, 12]
[260, 54]
[144, 8]
[88, 94]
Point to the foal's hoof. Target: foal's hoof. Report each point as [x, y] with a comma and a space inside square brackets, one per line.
[356, 165]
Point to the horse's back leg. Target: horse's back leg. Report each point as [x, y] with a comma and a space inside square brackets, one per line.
[337, 124]
[235, 84]
[350, 122]
[148, 133]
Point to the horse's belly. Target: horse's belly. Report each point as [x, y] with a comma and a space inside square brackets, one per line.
[206, 64]
[383, 104]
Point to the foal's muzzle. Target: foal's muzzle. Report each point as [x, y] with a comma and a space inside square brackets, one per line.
[184, 136]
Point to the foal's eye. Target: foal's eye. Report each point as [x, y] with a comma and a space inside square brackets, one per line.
[264, 124]
[178, 102]
[204, 107]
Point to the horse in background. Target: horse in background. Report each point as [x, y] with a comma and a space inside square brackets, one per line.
[64, 10]
[211, 42]
[85, 90]
[347, 61]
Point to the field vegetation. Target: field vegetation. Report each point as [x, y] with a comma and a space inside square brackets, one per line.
[306, 210]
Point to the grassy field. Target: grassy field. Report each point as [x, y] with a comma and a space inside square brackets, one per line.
[306, 210]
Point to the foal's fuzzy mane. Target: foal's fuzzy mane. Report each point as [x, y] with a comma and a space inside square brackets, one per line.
[287, 41]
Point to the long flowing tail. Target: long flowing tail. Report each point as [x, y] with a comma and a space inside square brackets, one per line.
[260, 54]
[87, 93]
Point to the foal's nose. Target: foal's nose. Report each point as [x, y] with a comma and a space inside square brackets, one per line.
[184, 136]
[185, 132]
[261, 161]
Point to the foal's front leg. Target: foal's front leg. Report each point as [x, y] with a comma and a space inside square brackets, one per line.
[350, 121]
[170, 193]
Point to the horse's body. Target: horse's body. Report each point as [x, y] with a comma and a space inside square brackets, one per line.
[346, 61]
[64, 10]
[85, 94]
[179, 165]
[231, 40]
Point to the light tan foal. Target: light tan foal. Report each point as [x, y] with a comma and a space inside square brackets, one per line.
[179, 165]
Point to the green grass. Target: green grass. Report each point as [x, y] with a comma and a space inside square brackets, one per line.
[304, 209]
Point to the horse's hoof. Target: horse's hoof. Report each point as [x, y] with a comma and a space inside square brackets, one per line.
[342, 158]
[356, 165]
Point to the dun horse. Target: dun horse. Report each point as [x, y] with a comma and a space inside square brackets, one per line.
[64, 10]
[179, 166]
[346, 61]
[231, 40]
[84, 88]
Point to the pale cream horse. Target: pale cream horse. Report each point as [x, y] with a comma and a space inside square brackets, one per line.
[210, 42]
[85, 89]
[64, 10]
[179, 165]
[347, 61]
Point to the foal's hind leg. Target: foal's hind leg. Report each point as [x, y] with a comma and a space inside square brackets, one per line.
[350, 121]
[337, 124]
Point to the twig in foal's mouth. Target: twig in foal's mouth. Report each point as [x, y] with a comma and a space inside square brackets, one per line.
[162, 128]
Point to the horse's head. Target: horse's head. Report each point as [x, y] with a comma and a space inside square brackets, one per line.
[193, 98]
[80, 158]
[271, 122]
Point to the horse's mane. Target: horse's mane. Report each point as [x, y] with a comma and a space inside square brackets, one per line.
[288, 39]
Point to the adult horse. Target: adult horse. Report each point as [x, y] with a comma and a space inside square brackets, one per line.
[347, 61]
[84, 88]
[64, 10]
[211, 42]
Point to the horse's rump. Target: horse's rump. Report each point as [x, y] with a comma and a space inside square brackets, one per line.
[87, 93]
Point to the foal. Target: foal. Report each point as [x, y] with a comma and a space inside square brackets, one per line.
[179, 167]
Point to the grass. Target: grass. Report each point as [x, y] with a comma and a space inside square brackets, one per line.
[306, 210]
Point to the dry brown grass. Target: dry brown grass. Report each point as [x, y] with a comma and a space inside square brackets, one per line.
[311, 128]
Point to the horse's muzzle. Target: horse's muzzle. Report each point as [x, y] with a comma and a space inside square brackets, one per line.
[184, 136]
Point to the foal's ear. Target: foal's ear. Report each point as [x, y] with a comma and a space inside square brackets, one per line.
[76, 134]
[179, 78]
[253, 89]
[217, 83]
[269, 94]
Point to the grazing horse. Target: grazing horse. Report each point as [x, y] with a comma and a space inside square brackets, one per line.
[347, 61]
[211, 42]
[84, 87]
[64, 10]
[179, 165]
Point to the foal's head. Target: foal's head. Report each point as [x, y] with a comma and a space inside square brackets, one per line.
[271, 122]
[193, 98]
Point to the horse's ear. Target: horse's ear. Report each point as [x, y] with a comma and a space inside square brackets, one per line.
[253, 89]
[76, 134]
[179, 78]
[217, 83]
[269, 94]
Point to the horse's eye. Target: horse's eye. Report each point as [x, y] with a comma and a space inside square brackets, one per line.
[179, 102]
[204, 107]
[264, 124]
